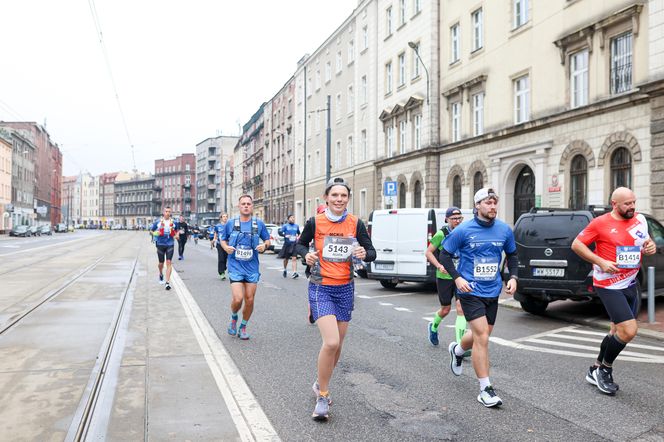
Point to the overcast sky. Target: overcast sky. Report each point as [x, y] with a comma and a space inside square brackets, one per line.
[183, 70]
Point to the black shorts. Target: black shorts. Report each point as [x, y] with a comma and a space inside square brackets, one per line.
[620, 304]
[446, 290]
[475, 307]
[287, 251]
[165, 252]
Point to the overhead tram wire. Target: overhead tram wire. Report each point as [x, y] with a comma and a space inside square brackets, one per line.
[95, 19]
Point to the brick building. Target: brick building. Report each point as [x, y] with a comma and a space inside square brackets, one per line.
[175, 184]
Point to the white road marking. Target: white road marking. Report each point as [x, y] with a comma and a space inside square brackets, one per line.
[248, 416]
[362, 296]
[385, 303]
[561, 337]
[428, 318]
[403, 309]
[392, 295]
[12, 247]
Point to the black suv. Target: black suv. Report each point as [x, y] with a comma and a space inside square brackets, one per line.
[548, 268]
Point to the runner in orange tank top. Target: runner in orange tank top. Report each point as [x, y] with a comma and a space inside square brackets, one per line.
[338, 238]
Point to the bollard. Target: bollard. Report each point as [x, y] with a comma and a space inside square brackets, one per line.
[651, 294]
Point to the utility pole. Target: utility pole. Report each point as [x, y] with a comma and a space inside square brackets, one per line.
[328, 147]
[304, 185]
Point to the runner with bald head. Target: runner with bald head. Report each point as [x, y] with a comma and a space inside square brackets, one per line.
[620, 237]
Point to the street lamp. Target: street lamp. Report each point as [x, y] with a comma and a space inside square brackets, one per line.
[415, 47]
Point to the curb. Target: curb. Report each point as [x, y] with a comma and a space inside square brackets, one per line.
[598, 323]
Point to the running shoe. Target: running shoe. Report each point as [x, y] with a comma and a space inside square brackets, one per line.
[232, 327]
[285, 273]
[489, 398]
[433, 335]
[295, 275]
[242, 333]
[168, 285]
[161, 279]
[589, 375]
[179, 258]
[316, 389]
[604, 379]
[322, 410]
[455, 361]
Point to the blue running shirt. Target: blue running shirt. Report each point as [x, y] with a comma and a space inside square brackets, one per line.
[480, 250]
[290, 232]
[239, 266]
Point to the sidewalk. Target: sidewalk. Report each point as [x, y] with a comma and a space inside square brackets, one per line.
[168, 387]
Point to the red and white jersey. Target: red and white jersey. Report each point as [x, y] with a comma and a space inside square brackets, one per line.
[618, 241]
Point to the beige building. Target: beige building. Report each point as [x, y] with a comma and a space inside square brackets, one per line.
[545, 103]
[5, 180]
[237, 176]
[90, 199]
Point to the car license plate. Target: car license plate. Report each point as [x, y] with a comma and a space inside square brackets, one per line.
[547, 271]
[382, 266]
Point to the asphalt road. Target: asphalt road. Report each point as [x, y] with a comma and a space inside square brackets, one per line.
[391, 384]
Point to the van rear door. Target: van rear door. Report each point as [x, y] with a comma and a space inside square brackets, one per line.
[412, 240]
[384, 228]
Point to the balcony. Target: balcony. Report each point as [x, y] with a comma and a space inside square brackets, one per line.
[156, 188]
[187, 199]
[156, 199]
[211, 186]
[211, 200]
[212, 172]
[187, 185]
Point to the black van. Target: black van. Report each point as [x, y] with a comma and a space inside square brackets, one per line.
[548, 268]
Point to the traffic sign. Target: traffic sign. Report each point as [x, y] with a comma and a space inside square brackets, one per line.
[390, 188]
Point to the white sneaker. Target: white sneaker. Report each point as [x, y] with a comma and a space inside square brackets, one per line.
[455, 361]
[489, 398]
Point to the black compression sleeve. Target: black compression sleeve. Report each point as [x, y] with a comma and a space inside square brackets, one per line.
[446, 259]
[513, 264]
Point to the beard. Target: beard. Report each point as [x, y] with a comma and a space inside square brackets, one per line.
[489, 214]
[627, 214]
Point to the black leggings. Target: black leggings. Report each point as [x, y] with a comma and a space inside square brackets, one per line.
[222, 257]
[181, 243]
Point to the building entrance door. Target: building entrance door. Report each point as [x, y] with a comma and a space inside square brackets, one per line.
[524, 192]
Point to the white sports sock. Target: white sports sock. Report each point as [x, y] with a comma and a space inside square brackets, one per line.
[484, 382]
[459, 351]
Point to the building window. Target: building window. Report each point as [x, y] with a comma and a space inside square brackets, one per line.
[456, 122]
[402, 69]
[416, 61]
[521, 99]
[318, 162]
[350, 102]
[388, 20]
[317, 79]
[478, 30]
[364, 90]
[520, 13]
[621, 63]
[456, 191]
[417, 195]
[340, 62]
[388, 78]
[402, 195]
[455, 44]
[390, 141]
[363, 203]
[351, 51]
[403, 133]
[578, 78]
[402, 12]
[478, 114]
[478, 182]
[363, 145]
[417, 132]
[338, 106]
[337, 156]
[328, 72]
[365, 38]
[579, 181]
[621, 169]
[351, 154]
[417, 6]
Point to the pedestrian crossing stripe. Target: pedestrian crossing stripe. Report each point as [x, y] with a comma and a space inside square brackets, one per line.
[573, 341]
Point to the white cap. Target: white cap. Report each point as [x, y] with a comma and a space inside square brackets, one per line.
[484, 193]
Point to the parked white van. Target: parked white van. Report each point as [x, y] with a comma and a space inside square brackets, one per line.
[400, 237]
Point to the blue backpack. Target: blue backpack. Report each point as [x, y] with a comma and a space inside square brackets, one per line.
[235, 234]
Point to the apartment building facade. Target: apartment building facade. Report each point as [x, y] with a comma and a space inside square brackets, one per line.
[24, 153]
[71, 200]
[107, 198]
[175, 184]
[278, 154]
[134, 206]
[561, 124]
[90, 199]
[252, 143]
[6, 150]
[214, 169]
